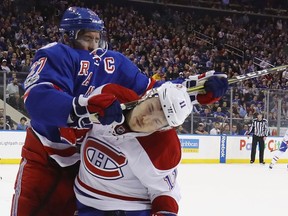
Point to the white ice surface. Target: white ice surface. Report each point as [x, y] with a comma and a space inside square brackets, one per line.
[209, 189]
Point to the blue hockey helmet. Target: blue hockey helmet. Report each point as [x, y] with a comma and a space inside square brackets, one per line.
[77, 18]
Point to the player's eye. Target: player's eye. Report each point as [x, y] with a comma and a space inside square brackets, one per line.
[90, 39]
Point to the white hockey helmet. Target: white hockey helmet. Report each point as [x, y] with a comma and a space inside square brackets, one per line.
[175, 102]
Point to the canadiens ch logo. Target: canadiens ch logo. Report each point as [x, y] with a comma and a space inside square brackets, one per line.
[120, 129]
[103, 161]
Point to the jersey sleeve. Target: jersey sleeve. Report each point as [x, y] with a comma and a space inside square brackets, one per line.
[251, 128]
[122, 94]
[156, 167]
[49, 85]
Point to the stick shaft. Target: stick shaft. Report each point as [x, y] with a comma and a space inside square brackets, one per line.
[239, 78]
[244, 77]
[272, 150]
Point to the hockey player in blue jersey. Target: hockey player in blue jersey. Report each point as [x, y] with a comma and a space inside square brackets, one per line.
[280, 151]
[61, 77]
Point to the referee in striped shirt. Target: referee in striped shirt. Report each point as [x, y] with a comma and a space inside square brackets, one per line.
[259, 129]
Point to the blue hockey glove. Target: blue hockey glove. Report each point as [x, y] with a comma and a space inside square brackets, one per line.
[217, 85]
[105, 106]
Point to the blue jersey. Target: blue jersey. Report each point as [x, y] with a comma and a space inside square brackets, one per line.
[60, 73]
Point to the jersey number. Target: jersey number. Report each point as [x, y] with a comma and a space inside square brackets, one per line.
[171, 179]
[35, 69]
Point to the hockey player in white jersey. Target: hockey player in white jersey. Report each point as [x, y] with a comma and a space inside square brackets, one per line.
[282, 149]
[131, 168]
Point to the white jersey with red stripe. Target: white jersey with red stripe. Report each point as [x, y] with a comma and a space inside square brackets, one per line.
[125, 170]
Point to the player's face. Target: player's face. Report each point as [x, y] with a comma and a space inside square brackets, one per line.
[88, 40]
[147, 116]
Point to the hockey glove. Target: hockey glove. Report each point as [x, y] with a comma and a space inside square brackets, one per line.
[106, 106]
[215, 87]
[200, 79]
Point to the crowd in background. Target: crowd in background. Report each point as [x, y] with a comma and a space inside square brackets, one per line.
[164, 43]
[263, 7]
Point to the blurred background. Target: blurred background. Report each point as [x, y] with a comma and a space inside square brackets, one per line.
[166, 39]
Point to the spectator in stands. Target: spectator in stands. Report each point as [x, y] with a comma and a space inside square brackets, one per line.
[236, 98]
[285, 74]
[215, 107]
[14, 65]
[13, 76]
[182, 130]
[219, 115]
[225, 129]
[234, 130]
[3, 44]
[235, 110]
[13, 93]
[225, 109]
[170, 75]
[158, 75]
[26, 65]
[244, 129]
[26, 58]
[9, 122]
[23, 124]
[205, 116]
[273, 119]
[2, 124]
[242, 110]
[216, 129]
[249, 116]
[254, 100]
[209, 64]
[201, 129]
[4, 66]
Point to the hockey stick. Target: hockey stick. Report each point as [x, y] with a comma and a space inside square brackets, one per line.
[283, 147]
[240, 78]
[244, 77]
[272, 150]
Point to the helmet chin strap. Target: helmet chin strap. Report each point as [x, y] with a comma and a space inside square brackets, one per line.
[76, 34]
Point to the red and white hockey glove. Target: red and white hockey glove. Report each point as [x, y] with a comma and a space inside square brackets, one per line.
[105, 105]
[215, 86]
